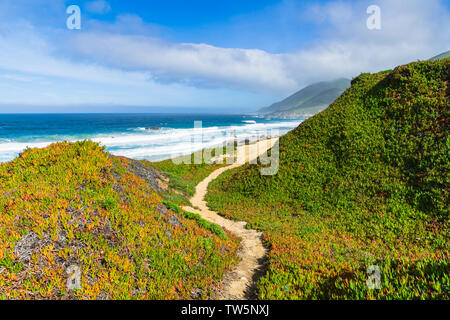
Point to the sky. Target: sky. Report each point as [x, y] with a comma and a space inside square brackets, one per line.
[216, 55]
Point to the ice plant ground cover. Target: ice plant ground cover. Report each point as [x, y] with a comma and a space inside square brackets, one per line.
[363, 183]
[184, 177]
[72, 204]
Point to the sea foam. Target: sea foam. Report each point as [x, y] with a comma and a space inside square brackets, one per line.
[158, 144]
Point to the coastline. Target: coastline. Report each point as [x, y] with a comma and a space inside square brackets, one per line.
[126, 135]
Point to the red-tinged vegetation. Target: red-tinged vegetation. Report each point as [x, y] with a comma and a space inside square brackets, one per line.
[73, 204]
[363, 183]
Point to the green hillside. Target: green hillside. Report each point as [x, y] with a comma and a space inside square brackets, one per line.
[309, 100]
[365, 182]
[442, 56]
[72, 204]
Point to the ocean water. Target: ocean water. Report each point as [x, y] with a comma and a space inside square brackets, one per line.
[126, 134]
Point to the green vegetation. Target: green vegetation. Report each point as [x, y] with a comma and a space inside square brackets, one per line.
[185, 177]
[365, 182]
[194, 216]
[73, 204]
[172, 206]
[206, 224]
[309, 100]
[442, 56]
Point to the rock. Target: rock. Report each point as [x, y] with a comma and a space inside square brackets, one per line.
[162, 210]
[27, 246]
[150, 175]
[168, 234]
[173, 220]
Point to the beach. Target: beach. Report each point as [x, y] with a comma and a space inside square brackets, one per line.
[151, 137]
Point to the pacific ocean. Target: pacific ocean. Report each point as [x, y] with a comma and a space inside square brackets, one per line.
[148, 136]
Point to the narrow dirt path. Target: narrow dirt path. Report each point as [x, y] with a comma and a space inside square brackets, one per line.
[238, 284]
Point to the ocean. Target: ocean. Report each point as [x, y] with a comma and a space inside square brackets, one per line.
[140, 136]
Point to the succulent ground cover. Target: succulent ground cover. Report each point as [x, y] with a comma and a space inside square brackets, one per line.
[71, 206]
[362, 186]
[184, 177]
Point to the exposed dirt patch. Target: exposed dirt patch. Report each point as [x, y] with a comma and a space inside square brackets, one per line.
[153, 177]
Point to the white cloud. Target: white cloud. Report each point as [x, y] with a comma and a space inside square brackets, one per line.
[98, 7]
[16, 77]
[113, 66]
[411, 30]
[196, 64]
[331, 12]
[24, 50]
[36, 71]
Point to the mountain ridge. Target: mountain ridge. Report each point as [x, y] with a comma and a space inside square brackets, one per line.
[443, 55]
[309, 100]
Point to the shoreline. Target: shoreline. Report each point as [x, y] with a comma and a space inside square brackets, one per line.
[244, 151]
[128, 137]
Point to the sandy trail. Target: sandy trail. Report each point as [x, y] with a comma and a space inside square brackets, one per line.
[239, 283]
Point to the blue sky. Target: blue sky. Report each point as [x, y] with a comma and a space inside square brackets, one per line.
[232, 55]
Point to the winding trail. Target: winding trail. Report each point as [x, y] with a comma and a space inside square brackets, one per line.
[238, 284]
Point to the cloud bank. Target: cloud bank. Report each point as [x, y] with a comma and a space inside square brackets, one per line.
[98, 7]
[150, 70]
[411, 30]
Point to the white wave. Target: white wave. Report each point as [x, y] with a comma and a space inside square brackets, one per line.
[249, 121]
[163, 143]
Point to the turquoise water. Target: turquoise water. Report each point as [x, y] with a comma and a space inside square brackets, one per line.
[126, 134]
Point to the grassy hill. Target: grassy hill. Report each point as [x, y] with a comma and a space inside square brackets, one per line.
[185, 177]
[72, 204]
[442, 56]
[365, 182]
[309, 100]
